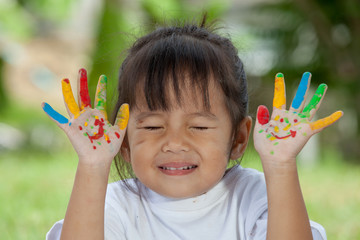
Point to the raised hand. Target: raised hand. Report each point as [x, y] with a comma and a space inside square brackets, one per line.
[281, 137]
[94, 139]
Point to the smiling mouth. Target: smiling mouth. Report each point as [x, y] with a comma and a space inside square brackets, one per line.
[177, 169]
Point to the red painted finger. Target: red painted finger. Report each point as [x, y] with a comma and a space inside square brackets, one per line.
[84, 97]
[263, 115]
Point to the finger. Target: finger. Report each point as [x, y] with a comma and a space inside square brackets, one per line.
[301, 93]
[54, 115]
[100, 96]
[315, 102]
[83, 91]
[320, 124]
[122, 117]
[262, 115]
[279, 100]
[69, 99]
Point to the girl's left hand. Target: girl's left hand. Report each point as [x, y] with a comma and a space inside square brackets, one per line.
[280, 138]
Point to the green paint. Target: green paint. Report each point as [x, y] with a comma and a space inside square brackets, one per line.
[315, 99]
[304, 134]
[276, 143]
[85, 134]
[279, 75]
[261, 131]
[101, 93]
[92, 127]
[99, 143]
[286, 120]
[268, 135]
[302, 115]
[300, 128]
[105, 131]
[272, 152]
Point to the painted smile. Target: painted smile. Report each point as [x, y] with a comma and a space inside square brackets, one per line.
[291, 134]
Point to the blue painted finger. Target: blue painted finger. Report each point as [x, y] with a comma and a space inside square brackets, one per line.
[54, 114]
[301, 91]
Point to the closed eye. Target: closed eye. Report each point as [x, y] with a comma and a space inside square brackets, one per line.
[152, 128]
[201, 128]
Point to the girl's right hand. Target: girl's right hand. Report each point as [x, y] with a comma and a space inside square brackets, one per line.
[94, 139]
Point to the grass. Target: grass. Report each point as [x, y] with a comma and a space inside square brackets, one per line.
[35, 187]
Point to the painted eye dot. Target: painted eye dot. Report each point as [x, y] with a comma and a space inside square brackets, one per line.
[80, 128]
[281, 120]
[295, 120]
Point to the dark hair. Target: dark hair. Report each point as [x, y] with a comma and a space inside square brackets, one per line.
[167, 56]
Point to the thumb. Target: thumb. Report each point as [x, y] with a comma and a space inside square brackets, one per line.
[262, 115]
[59, 119]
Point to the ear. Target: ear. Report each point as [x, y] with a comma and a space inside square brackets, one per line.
[241, 138]
[125, 150]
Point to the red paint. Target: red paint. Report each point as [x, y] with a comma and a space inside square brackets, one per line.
[84, 92]
[94, 147]
[66, 80]
[117, 135]
[108, 141]
[100, 133]
[292, 134]
[281, 120]
[295, 120]
[80, 128]
[102, 119]
[263, 115]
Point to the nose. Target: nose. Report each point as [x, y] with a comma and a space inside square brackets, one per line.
[175, 142]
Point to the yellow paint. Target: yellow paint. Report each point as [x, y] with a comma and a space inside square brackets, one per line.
[96, 117]
[69, 98]
[297, 123]
[272, 138]
[324, 122]
[277, 117]
[85, 124]
[123, 116]
[276, 129]
[279, 100]
[287, 127]
[106, 137]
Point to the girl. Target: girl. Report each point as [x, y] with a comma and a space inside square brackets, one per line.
[187, 116]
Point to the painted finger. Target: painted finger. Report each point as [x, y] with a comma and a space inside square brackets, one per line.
[122, 117]
[301, 93]
[83, 91]
[279, 100]
[69, 99]
[315, 102]
[59, 119]
[100, 96]
[320, 124]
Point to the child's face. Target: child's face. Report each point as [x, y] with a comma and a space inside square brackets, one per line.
[182, 152]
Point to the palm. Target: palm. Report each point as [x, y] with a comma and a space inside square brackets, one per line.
[284, 134]
[88, 128]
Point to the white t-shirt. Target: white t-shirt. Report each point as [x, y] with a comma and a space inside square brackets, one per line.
[236, 208]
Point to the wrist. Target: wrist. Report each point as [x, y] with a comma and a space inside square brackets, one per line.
[279, 167]
[94, 168]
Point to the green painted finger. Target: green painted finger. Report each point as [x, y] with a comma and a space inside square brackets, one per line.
[279, 100]
[100, 96]
[315, 100]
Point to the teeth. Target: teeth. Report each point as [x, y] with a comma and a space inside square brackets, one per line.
[181, 168]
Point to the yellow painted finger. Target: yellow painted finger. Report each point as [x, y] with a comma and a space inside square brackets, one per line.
[279, 100]
[122, 117]
[100, 96]
[324, 122]
[69, 98]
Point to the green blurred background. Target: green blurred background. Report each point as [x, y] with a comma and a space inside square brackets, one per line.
[43, 41]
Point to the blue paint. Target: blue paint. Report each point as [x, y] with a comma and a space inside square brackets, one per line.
[54, 114]
[301, 91]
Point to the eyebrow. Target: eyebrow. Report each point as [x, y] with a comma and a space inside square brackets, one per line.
[204, 114]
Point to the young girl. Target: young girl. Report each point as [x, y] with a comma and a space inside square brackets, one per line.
[187, 117]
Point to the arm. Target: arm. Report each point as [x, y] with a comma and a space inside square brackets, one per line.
[96, 142]
[278, 141]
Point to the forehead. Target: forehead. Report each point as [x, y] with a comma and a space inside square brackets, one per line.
[189, 96]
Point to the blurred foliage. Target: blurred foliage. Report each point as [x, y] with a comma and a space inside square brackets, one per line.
[3, 94]
[319, 36]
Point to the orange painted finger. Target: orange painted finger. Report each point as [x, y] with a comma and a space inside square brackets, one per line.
[83, 91]
[122, 117]
[69, 99]
[279, 100]
[325, 122]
